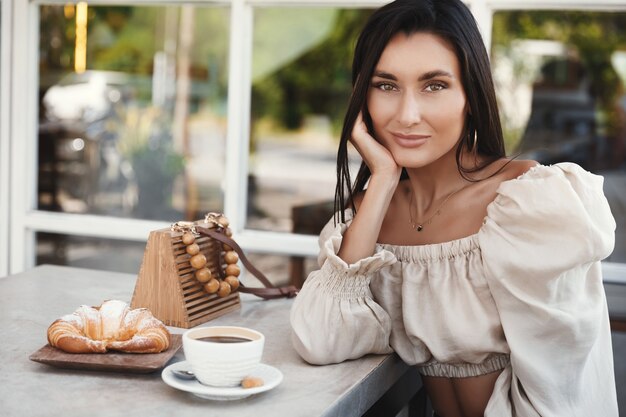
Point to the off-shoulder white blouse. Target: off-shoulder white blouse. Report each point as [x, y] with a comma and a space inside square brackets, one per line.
[524, 294]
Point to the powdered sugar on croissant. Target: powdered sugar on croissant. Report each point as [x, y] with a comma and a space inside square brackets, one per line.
[112, 326]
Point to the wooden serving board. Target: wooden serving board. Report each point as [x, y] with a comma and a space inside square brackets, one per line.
[112, 361]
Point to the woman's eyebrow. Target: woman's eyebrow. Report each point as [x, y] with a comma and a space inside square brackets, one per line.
[426, 76]
[434, 74]
[386, 75]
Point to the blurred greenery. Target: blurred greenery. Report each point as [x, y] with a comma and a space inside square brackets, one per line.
[318, 81]
[125, 39]
[292, 76]
[591, 37]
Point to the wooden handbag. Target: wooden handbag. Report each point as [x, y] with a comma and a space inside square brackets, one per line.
[178, 276]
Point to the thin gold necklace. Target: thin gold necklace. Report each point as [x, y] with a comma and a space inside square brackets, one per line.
[419, 226]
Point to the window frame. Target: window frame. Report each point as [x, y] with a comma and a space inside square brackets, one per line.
[5, 91]
[21, 122]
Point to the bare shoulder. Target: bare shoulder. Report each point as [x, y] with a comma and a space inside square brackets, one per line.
[480, 194]
[490, 178]
[508, 169]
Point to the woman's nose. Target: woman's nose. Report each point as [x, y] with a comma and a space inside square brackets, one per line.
[409, 112]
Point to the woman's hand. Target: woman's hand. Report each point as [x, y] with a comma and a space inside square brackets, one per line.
[359, 241]
[377, 158]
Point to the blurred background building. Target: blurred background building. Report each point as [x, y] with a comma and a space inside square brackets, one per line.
[120, 118]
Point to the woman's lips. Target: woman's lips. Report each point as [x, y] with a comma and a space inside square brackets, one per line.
[410, 141]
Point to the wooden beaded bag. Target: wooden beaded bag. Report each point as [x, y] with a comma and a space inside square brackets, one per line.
[189, 274]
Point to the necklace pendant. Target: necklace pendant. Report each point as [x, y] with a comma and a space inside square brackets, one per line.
[419, 227]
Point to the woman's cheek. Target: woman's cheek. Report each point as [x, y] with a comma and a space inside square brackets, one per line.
[381, 110]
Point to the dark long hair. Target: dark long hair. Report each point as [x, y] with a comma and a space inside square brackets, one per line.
[452, 21]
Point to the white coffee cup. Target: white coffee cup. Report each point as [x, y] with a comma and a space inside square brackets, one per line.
[217, 358]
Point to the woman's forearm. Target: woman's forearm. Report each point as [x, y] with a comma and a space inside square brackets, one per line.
[359, 241]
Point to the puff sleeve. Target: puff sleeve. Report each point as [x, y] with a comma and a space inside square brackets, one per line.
[541, 243]
[334, 317]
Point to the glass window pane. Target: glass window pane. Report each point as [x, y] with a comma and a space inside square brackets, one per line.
[91, 253]
[132, 118]
[301, 76]
[126, 256]
[561, 78]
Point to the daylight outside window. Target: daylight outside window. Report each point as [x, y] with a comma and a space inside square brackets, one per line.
[132, 116]
[301, 83]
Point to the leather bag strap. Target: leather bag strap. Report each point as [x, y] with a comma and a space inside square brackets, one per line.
[269, 291]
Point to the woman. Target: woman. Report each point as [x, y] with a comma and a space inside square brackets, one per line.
[481, 270]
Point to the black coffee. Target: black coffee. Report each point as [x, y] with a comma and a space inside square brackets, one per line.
[224, 339]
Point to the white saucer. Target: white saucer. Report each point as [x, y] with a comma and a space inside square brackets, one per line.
[270, 375]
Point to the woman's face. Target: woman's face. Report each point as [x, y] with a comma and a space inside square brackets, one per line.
[416, 100]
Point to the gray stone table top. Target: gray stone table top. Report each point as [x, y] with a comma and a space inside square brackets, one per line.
[31, 301]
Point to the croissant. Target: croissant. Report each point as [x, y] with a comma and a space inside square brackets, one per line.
[112, 326]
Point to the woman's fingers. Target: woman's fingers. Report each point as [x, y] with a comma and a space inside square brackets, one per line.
[374, 154]
[360, 135]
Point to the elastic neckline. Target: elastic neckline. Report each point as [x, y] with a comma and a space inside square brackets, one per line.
[433, 251]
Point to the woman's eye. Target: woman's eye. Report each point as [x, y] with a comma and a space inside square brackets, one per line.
[385, 86]
[435, 87]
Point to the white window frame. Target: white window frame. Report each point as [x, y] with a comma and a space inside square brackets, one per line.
[21, 122]
[5, 89]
